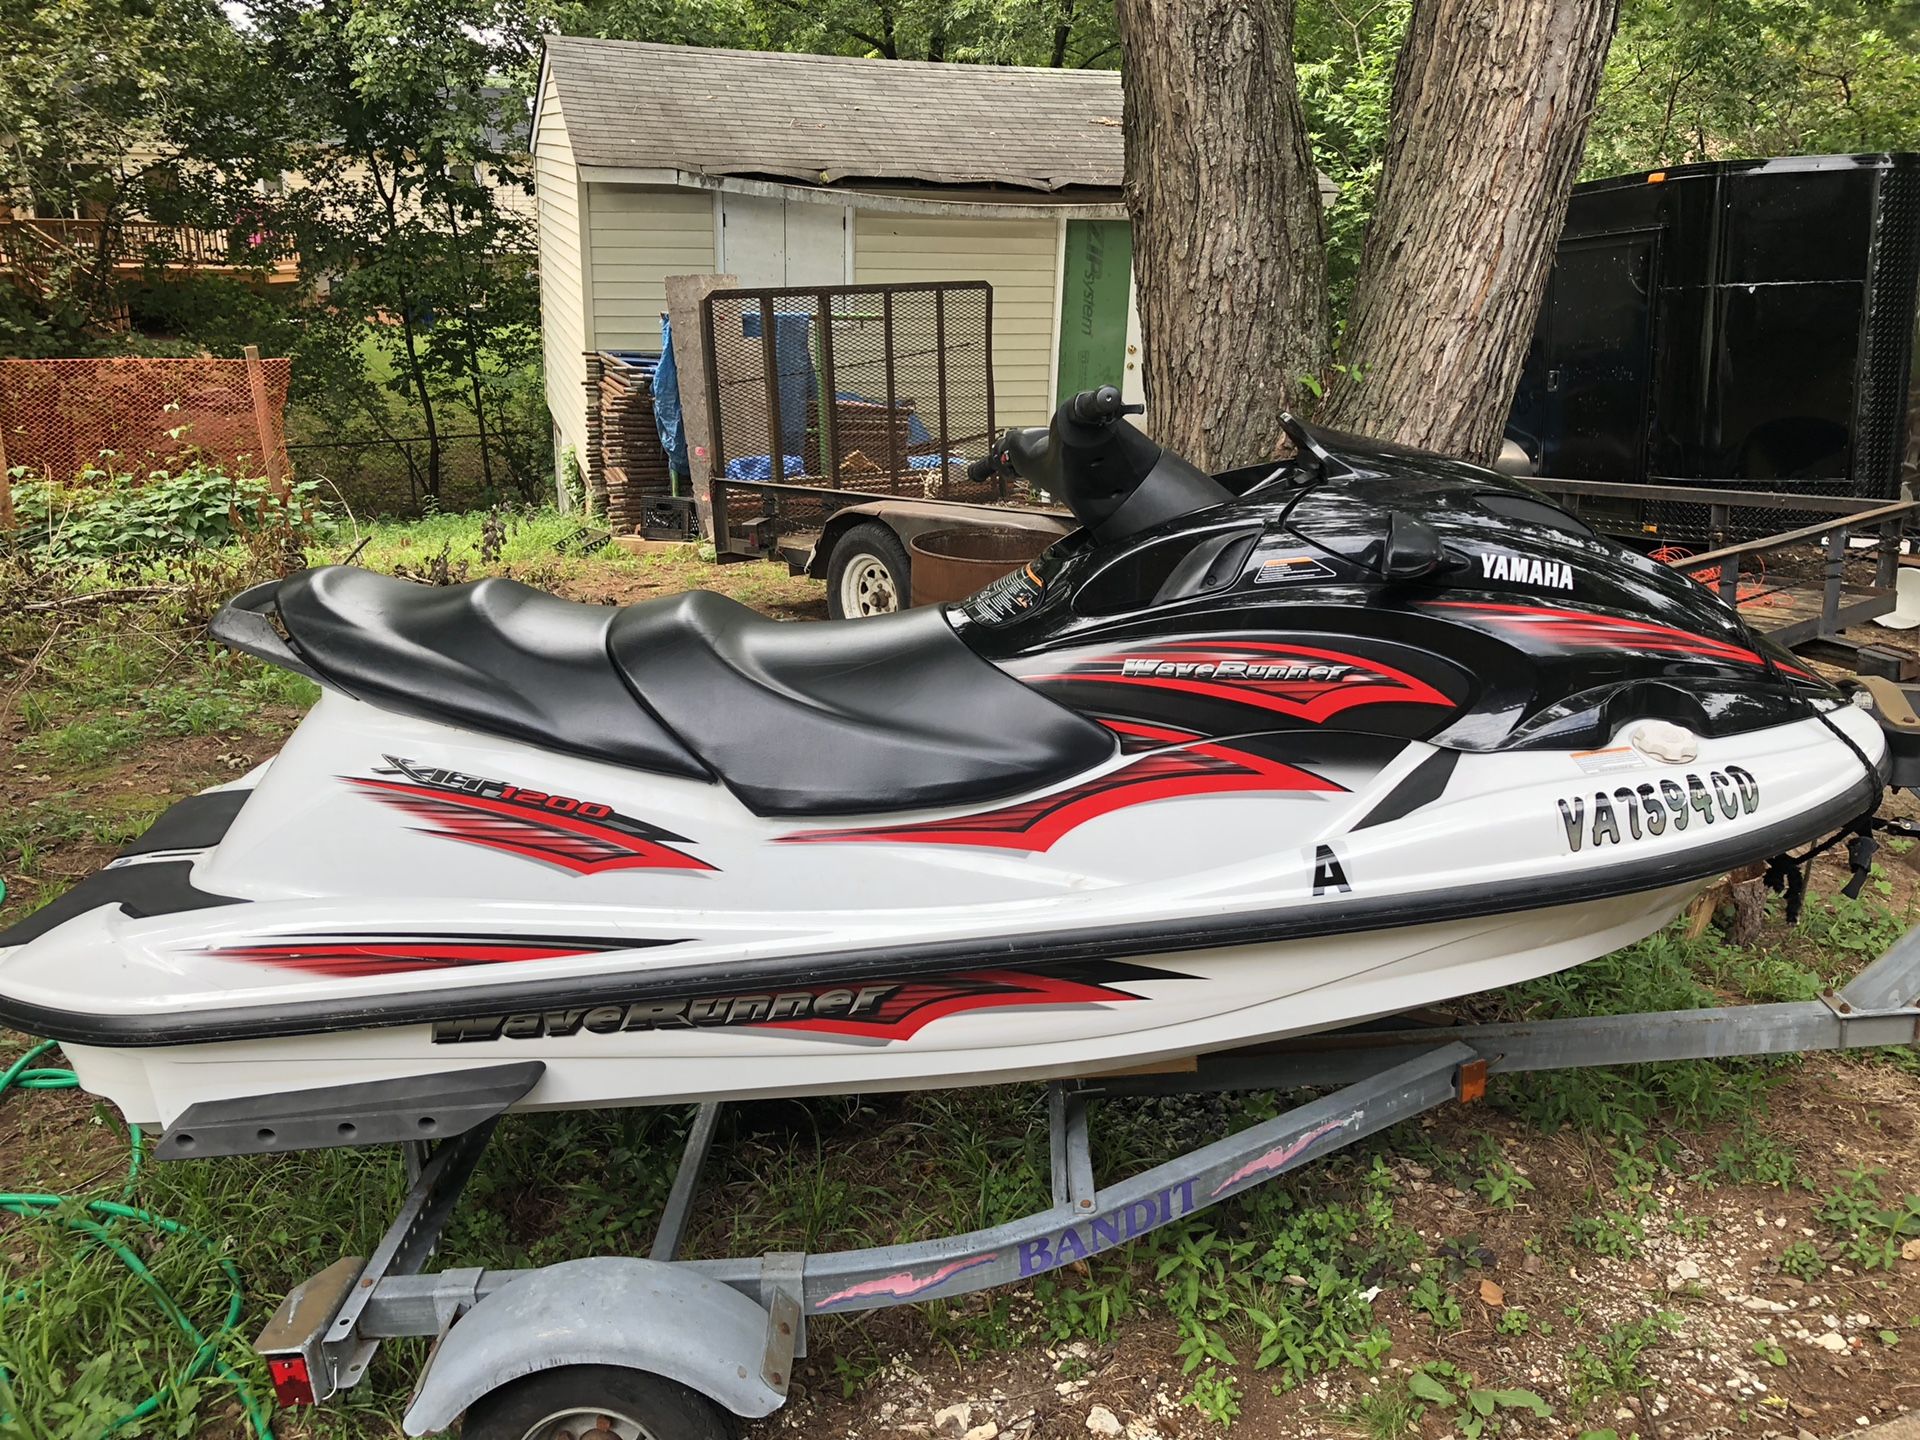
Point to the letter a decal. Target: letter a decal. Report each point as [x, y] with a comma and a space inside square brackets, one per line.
[1328, 875]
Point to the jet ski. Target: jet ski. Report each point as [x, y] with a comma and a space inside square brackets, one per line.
[1248, 755]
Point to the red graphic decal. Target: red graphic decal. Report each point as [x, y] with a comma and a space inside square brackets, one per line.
[1136, 738]
[1035, 825]
[583, 843]
[901, 1011]
[1589, 630]
[1281, 1156]
[904, 1285]
[350, 956]
[1297, 680]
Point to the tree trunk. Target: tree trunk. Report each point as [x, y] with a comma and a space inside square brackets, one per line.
[1062, 33]
[1491, 100]
[1228, 249]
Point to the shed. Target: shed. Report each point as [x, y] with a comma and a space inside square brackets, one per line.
[655, 160]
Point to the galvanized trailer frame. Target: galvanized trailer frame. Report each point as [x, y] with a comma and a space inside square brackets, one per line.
[730, 1329]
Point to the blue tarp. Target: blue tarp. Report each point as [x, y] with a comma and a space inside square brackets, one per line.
[760, 467]
[799, 384]
[666, 406]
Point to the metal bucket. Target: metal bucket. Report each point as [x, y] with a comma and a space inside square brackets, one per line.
[952, 564]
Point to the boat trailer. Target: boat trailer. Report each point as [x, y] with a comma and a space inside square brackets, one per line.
[591, 1334]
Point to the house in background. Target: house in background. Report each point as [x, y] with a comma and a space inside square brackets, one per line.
[796, 170]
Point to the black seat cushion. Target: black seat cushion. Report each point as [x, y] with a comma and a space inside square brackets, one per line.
[494, 655]
[843, 717]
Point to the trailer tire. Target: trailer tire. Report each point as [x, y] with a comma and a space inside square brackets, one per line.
[868, 573]
[574, 1398]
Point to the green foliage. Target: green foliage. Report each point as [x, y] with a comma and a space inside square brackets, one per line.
[1751, 1157]
[108, 513]
[1215, 1396]
[1515, 1321]
[1612, 1365]
[1430, 1297]
[400, 133]
[219, 315]
[1499, 1182]
[1344, 54]
[1074, 34]
[1613, 1233]
[1711, 79]
[1474, 1409]
[1850, 931]
[1872, 1231]
[113, 111]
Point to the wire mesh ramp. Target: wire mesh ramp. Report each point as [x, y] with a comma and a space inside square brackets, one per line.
[1799, 566]
[816, 398]
[595, 1338]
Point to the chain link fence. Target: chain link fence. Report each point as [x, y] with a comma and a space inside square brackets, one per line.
[413, 475]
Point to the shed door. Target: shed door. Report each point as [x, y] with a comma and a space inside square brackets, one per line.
[817, 238]
[770, 243]
[1095, 305]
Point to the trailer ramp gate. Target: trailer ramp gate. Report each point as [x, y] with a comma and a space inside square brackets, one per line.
[884, 390]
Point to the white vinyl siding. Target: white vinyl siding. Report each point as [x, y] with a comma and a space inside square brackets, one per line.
[638, 238]
[1017, 257]
[564, 334]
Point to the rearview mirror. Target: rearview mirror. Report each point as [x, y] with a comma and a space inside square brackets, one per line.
[1410, 551]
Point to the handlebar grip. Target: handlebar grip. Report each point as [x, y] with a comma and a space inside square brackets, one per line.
[987, 466]
[1096, 407]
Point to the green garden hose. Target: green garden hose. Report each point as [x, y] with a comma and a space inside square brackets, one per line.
[99, 1223]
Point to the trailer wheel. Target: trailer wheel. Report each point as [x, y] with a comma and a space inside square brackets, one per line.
[868, 573]
[595, 1402]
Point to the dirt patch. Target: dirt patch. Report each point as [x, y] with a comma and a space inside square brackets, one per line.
[761, 584]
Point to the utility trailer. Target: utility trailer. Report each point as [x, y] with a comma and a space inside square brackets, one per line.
[839, 422]
[670, 1345]
[880, 553]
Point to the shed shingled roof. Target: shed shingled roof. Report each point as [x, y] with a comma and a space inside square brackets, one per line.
[828, 118]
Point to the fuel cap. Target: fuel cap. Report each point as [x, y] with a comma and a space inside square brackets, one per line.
[1667, 743]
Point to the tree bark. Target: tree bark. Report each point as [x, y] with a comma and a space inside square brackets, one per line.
[1228, 248]
[1491, 100]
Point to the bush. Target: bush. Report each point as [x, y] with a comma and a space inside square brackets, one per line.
[106, 514]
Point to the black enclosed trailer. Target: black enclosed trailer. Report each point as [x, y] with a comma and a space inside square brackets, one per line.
[1746, 323]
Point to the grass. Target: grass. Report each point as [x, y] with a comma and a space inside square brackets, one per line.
[1331, 1275]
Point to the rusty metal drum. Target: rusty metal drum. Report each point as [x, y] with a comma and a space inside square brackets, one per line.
[952, 564]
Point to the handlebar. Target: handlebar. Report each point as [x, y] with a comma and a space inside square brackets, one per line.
[990, 464]
[1089, 407]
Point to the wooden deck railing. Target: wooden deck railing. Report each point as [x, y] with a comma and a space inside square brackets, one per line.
[30, 246]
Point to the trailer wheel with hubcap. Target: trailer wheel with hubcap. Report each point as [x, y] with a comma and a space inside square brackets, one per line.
[595, 1402]
[868, 573]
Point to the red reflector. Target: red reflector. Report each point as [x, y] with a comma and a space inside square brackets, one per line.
[1473, 1081]
[292, 1386]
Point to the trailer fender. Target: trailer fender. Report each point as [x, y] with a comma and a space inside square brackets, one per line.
[909, 519]
[608, 1310]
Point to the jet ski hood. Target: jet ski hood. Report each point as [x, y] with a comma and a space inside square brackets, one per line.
[1513, 621]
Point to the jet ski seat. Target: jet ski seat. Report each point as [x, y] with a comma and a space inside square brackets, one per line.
[836, 717]
[844, 717]
[493, 655]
